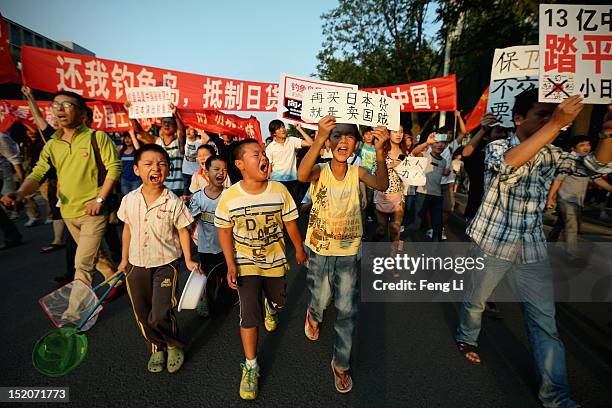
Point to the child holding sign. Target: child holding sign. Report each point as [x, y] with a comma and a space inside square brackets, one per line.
[334, 234]
[250, 218]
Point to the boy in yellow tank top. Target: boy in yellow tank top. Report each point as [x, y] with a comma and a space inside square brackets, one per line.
[334, 234]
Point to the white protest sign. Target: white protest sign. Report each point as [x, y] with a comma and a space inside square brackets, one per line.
[576, 52]
[290, 95]
[514, 62]
[149, 102]
[348, 106]
[514, 70]
[412, 171]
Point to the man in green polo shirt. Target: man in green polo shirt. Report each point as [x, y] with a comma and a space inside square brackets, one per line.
[70, 152]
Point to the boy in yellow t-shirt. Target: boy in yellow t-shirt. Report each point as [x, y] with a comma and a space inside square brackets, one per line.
[250, 218]
[334, 234]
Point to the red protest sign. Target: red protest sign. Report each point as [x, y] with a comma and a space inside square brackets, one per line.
[434, 95]
[8, 71]
[96, 78]
[112, 117]
[473, 119]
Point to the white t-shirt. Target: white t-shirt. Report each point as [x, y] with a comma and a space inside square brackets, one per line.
[190, 162]
[447, 155]
[283, 158]
[202, 209]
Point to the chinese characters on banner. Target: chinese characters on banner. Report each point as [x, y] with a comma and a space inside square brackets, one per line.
[149, 102]
[348, 106]
[111, 117]
[291, 92]
[434, 95]
[96, 78]
[412, 171]
[576, 52]
[514, 70]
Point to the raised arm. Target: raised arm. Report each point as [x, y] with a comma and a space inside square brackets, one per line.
[485, 122]
[307, 170]
[462, 130]
[135, 141]
[141, 134]
[562, 116]
[39, 119]
[180, 128]
[419, 149]
[380, 180]
[308, 141]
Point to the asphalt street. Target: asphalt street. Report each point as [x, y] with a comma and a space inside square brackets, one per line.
[404, 354]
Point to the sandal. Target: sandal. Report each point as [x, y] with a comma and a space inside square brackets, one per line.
[51, 248]
[466, 350]
[175, 359]
[156, 362]
[342, 380]
[311, 330]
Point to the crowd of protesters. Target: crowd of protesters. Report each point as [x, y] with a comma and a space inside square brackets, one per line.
[157, 185]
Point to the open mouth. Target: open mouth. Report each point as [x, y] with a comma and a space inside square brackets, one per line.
[263, 167]
[342, 150]
[155, 178]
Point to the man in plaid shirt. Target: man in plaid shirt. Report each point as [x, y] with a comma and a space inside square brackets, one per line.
[508, 229]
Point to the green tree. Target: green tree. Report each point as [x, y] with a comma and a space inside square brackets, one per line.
[375, 43]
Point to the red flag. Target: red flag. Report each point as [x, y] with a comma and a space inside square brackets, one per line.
[8, 71]
[473, 119]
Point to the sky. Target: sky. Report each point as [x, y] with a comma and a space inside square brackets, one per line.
[248, 40]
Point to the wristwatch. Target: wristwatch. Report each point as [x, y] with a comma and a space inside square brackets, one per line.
[604, 135]
[99, 200]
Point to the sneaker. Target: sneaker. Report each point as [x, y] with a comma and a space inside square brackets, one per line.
[202, 308]
[249, 382]
[271, 319]
[429, 233]
[31, 222]
[444, 237]
[402, 229]
[311, 330]
[48, 221]
[342, 380]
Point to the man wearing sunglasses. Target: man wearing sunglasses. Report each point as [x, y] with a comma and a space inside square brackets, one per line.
[71, 152]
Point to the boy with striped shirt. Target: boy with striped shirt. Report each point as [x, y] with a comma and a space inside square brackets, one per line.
[250, 218]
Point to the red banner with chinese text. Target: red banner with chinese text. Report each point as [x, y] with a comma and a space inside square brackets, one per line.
[8, 71]
[101, 79]
[434, 95]
[472, 121]
[111, 117]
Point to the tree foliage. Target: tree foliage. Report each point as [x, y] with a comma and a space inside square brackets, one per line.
[375, 43]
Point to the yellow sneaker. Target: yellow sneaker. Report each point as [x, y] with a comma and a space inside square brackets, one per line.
[271, 319]
[249, 383]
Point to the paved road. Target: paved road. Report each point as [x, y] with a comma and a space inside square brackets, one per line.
[404, 355]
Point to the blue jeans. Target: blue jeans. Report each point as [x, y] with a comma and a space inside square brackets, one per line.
[337, 275]
[533, 284]
[129, 185]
